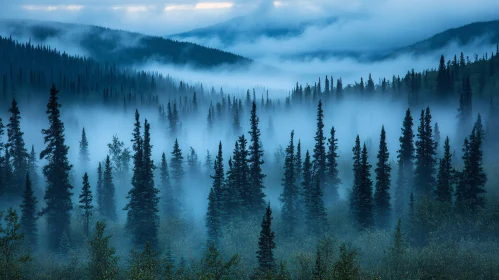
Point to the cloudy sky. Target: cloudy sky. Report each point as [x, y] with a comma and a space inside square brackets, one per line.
[361, 26]
[371, 18]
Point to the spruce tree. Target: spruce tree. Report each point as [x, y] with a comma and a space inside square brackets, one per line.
[405, 164]
[3, 177]
[354, 198]
[142, 216]
[108, 192]
[442, 80]
[213, 219]
[320, 146]
[465, 109]
[290, 193]
[382, 193]
[100, 191]
[86, 199]
[32, 168]
[103, 262]
[473, 178]
[298, 162]
[58, 190]
[332, 179]
[307, 185]
[84, 155]
[166, 188]
[316, 212]
[193, 162]
[29, 214]
[177, 175]
[266, 244]
[208, 162]
[437, 138]
[256, 176]
[424, 174]
[17, 150]
[445, 180]
[217, 211]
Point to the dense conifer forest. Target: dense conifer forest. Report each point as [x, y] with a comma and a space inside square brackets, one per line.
[111, 173]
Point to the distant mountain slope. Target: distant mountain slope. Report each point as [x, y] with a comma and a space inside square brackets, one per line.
[121, 47]
[247, 29]
[478, 32]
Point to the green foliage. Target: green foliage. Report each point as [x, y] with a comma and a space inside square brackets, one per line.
[145, 265]
[11, 259]
[346, 267]
[214, 267]
[103, 262]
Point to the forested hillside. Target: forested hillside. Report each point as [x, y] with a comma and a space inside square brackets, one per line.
[122, 47]
[111, 173]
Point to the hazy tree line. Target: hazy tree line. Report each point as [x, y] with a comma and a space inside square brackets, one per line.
[406, 209]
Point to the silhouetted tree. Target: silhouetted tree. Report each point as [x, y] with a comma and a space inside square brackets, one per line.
[266, 244]
[445, 180]
[257, 202]
[29, 214]
[332, 179]
[86, 199]
[108, 192]
[17, 150]
[382, 193]
[290, 193]
[58, 190]
[84, 154]
[320, 146]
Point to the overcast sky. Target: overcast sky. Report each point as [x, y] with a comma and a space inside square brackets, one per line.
[407, 18]
[362, 25]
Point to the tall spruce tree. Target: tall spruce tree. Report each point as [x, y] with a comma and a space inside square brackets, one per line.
[266, 244]
[332, 179]
[166, 188]
[316, 212]
[382, 193]
[17, 150]
[100, 191]
[177, 175]
[437, 138]
[29, 214]
[465, 120]
[213, 219]
[290, 194]
[298, 162]
[215, 214]
[108, 192]
[86, 206]
[142, 218]
[362, 200]
[58, 190]
[424, 174]
[445, 180]
[473, 178]
[257, 202]
[307, 185]
[320, 146]
[405, 165]
[84, 154]
[3, 177]
[32, 168]
[443, 84]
